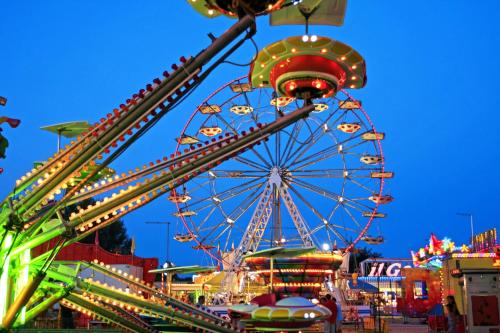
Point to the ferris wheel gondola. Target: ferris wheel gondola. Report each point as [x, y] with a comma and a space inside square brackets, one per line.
[373, 240]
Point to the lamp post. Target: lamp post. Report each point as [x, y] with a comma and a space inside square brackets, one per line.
[168, 237]
[471, 225]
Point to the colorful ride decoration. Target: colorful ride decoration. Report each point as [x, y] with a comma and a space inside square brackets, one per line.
[422, 291]
[432, 255]
[496, 260]
[4, 143]
[13, 123]
[288, 314]
[302, 275]
[316, 68]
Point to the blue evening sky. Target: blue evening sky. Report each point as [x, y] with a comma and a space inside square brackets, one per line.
[432, 66]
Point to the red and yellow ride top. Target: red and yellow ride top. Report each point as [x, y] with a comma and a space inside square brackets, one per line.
[323, 63]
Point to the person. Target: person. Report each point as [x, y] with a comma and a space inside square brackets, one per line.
[327, 302]
[67, 318]
[201, 300]
[452, 313]
[339, 317]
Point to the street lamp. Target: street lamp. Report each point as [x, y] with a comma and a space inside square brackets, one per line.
[168, 237]
[471, 226]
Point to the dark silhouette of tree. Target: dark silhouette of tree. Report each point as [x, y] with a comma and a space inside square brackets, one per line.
[360, 254]
[112, 238]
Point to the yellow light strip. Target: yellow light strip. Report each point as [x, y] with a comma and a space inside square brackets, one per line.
[298, 270]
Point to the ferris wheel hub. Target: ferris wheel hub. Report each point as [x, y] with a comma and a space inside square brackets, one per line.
[308, 69]
[275, 177]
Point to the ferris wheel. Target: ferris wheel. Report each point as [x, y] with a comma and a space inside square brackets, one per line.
[317, 183]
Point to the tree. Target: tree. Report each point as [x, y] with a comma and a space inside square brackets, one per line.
[112, 238]
[360, 254]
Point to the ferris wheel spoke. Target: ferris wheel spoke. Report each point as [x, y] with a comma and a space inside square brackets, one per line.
[360, 185]
[199, 185]
[316, 213]
[341, 200]
[352, 216]
[293, 137]
[231, 218]
[333, 226]
[245, 204]
[205, 219]
[211, 230]
[235, 174]
[327, 154]
[321, 129]
[228, 237]
[334, 209]
[330, 173]
[217, 237]
[316, 189]
[330, 195]
[305, 145]
[323, 154]
[236, 132]
[253, 116]
[251, 163]
[227, 194]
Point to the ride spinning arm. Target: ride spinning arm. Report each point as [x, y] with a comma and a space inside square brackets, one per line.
[147, 106]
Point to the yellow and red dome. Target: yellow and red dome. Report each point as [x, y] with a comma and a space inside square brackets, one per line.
[304, 68]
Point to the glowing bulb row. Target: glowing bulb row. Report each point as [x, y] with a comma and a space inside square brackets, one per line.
[111, 118]
[296, 270]
[133, 175]
[147, 197]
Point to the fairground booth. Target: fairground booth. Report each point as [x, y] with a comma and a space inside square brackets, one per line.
[469, 273]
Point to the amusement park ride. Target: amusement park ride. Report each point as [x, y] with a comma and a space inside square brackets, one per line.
[248, 151]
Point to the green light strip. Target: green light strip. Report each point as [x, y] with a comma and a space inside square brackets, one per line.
[4, 278]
